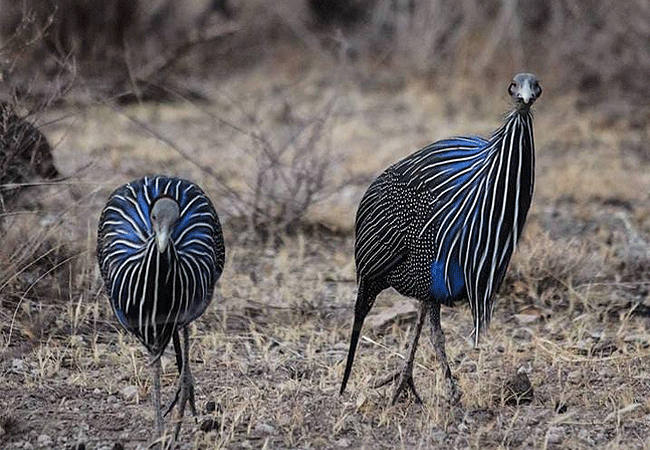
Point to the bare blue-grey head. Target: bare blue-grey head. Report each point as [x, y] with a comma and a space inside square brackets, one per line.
[525, 89]
[164, 215]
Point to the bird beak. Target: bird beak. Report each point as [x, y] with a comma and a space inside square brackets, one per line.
[526, 94]
[162, 240]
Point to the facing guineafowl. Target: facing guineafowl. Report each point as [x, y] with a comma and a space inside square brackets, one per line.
[160, 250]
[441, 225]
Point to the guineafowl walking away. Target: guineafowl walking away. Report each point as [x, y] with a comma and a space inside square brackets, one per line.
[25, 155]
[441, 225]
[160, 250]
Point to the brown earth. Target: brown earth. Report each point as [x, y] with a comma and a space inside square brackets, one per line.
[573, 313]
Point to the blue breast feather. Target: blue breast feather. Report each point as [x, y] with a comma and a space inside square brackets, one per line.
[446, 284]
[458, 160]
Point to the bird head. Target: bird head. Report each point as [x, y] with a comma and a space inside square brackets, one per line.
[524, 89]
[164, 214]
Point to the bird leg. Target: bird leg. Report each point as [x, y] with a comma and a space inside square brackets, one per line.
[404, 376]
[438, 342]
[156, 397]
[178, 351]
[186, 384]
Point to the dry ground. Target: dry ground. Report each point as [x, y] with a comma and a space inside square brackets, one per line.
[573, 313]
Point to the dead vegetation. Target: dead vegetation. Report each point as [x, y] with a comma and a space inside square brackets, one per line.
[285, 145]
[129, 50]
[572, 315]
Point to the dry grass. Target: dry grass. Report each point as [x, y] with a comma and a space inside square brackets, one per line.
[269, 352]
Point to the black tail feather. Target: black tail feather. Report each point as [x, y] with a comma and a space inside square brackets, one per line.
[354, 339]
[361, 309]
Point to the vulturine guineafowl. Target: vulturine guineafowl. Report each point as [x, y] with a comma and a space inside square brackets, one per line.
[441, 225]
[25, 155]
[160, 250]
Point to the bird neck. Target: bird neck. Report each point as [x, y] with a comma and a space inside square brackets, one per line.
[161, 265]
[518, 148]
[516, 131]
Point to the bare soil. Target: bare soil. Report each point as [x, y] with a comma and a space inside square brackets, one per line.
[573, 313]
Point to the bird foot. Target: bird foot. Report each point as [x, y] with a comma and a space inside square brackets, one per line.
[453, 394]
[184, 394]
[186, 397]
[404, 380]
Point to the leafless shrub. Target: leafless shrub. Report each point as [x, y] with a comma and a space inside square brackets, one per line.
[120, 46]
[90, 30]
[592, 46]
[285, 171]
[289, 177]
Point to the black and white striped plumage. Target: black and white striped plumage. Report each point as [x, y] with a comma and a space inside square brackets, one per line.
[441, 224]
[160, 250]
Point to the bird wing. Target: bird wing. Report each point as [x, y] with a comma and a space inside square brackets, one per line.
[442, 164]
[380, 232]
[386, 209]
[448, 177]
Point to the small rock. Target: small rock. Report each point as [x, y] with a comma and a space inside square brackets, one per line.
[574, 377]
[341, 347]
[129, 392]
[76, 340]
[265, 428]
[596, 335]
[555, 435]
[209, 424]
[210, 407]
[44, 440]
[526, 319]
[583, 435]
[439, 436]
[518, 390]
[343, 443]
[17, 365]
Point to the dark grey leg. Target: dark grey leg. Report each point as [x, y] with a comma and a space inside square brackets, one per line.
[404, 377]
[178, 351]
[156, 398]
[438, 342]
[186, 384]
